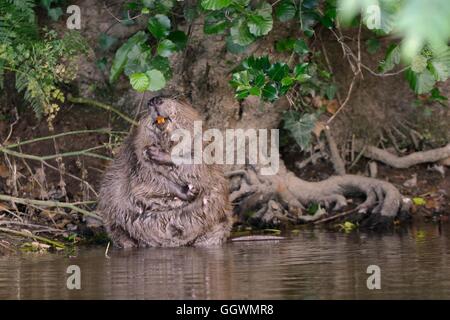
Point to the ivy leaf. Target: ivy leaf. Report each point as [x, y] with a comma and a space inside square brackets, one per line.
[259, 63]
[55, 13]
[269, 92]
[261, 22]
[278, 71]
[215, 4]
[307, 21]
[139, 81]
[285, 10]
[300, 47]
[157, 80]
[255, 91]
[106, 41]
[159, 26]
[420, 82]
[166, 48]
[300, 129]
[240, 34]
[120, 58]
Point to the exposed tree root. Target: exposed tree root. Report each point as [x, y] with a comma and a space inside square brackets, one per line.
[382, 199]
[409, 160]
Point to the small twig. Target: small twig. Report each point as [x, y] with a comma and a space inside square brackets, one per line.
[33, 236]
[340, 215]
[104, 106]
[106, 251]
[350, 89]
[49, 203]
[106, 131]
[85, 152]
[338, 163]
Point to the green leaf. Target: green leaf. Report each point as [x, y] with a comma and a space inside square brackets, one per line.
[179, 38]
[162, 64]
[418, 201]
[392, 58]
[373, 45]
[300, 129]
[285, 45]
[234, 47]
[255, 91]
[166, 48]
[240, 34]
[157, 80]
[330, 91]
[300, 47]
[418, 63]
[440, 64]
[139, 82]
[287, 81]
[308, 20]
[215, 23]
[120, 58]
[420, 82]
[106, 41]
[269, 92]
[215, 4]
[259, 63]
[285, 10]
[278, 71]
[190, 13]
[261, 22]
[300, 69]
[159, 26]
[137, 59]
[55, 13]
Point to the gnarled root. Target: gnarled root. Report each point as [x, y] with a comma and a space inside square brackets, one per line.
[382, 200]
[407, 161]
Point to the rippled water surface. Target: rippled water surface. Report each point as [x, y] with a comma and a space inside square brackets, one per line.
[315, 264]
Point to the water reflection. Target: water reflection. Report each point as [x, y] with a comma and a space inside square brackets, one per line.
[316, 264]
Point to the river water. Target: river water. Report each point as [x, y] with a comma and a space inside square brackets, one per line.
[313, 264]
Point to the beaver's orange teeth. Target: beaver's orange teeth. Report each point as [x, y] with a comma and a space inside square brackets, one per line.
[160, 120]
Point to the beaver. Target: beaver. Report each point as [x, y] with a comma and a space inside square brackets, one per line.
[147, 200]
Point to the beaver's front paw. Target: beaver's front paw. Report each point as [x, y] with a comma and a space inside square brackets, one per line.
[190, 192]
[154, 153]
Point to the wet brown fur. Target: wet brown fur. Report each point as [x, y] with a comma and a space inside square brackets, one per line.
[137, 197]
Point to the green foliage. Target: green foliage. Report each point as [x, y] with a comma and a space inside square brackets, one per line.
[300, 127]
[244, 22]
[307, 12]
[144, 56]
[420, 23]
[54, 10]
[40, 64]
[425, 70]
[258, 77]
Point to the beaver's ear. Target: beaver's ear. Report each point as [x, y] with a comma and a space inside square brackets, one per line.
[155, 101]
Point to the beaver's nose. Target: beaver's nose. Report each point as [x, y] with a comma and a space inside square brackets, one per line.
[155, 101]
